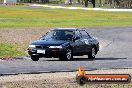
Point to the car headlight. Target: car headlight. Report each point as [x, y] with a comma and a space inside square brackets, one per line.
[55, 47]
[31, 46]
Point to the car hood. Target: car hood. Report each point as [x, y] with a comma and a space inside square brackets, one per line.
[48, 42]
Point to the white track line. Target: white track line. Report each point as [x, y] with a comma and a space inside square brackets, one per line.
[82, 8]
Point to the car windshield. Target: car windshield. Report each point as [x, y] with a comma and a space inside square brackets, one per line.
[59, 35]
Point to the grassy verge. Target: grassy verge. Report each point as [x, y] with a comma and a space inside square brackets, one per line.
[10, 50]
[13, 17]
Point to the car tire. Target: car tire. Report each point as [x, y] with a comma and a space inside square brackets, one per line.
[35, 58]
[92, 54]
[67, 55]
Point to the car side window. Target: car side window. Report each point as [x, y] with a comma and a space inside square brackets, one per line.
[85, 34]
[78, 34]
[88, 35]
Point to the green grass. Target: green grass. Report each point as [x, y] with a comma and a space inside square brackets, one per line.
[10, 50]
[15, 17]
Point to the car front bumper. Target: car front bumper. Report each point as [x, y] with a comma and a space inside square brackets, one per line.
[50, 52]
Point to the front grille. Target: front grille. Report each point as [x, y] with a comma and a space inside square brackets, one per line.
[38, 46]
[45, 46]
[42, 47]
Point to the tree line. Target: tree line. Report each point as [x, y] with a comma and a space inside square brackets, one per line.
[118, 3]
[100, 3]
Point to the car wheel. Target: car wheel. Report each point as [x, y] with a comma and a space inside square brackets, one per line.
[92, 54]
[35, 58]
[67, 56]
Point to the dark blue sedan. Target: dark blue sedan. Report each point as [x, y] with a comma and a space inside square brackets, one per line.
[64, 43]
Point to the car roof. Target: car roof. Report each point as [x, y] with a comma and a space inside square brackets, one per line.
[71, 29]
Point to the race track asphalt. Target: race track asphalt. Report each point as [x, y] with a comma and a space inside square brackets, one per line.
[115, 52]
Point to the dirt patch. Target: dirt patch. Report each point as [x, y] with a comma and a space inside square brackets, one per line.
[58, 80]
[22, 36]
